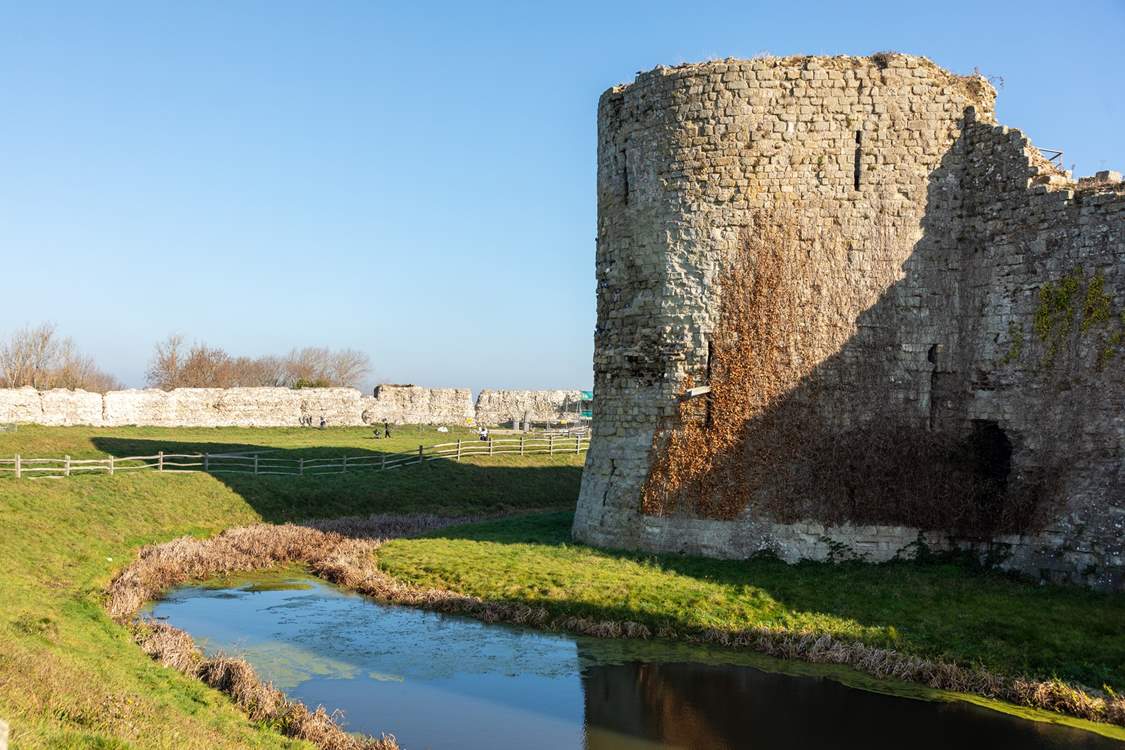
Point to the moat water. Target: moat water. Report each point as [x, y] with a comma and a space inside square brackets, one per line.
[437, 681]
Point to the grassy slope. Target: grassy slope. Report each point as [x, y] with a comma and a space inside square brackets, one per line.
[70, 678]
[96, 442]
[937, 610]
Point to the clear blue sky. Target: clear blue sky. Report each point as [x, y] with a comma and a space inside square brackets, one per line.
[414, 180]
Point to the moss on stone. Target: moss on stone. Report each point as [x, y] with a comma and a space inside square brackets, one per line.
[1015, 347]
[1058, 307]
[1054, 317]
[1096, 309]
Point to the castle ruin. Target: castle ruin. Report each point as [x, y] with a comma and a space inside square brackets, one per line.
[937, 362]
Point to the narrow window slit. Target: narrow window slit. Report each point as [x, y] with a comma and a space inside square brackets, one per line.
[625, 175]
[858, 156]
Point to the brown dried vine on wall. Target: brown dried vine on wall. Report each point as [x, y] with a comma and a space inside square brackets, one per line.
[698, 466]
[769, 434]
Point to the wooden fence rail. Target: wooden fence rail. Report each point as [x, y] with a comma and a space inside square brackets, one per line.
[259, 464]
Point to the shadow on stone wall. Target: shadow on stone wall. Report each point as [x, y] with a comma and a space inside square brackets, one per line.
[940, 411]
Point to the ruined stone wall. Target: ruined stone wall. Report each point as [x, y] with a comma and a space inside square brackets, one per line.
[55, 407]
[271, 407]
[496, 407]
[221, 407]
[411, 404]
[930, 233]
[233, 407]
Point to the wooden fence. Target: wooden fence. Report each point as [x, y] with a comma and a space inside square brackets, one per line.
[261, 464]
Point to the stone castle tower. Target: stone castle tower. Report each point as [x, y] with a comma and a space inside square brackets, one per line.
[973, 290]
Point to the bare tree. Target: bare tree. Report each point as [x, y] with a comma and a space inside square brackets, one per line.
[305, 368]
[36, 357]
[26, 358]
[75, 370]
[349, 367]
[166, 363]
[318, 366]
[203, 366]
[269, 370]
[206, 367]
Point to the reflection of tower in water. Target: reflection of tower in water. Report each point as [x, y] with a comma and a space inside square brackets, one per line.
[649, 705]
[686, 705]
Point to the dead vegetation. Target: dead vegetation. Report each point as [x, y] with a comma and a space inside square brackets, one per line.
[770, 437]
[261, 702]
[163, 566]
[343, 552]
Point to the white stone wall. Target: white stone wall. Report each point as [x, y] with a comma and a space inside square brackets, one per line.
[412, 404]
[265, 407]
[54, 407]
[241, 407]
[496, 407]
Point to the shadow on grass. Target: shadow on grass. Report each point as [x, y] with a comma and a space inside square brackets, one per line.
[947, 607]
[939, 608]
[443, 487]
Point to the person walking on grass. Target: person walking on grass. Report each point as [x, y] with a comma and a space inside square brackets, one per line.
[323, 422]
[386, 430]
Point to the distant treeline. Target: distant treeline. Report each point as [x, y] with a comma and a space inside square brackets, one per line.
[37, 356]
[174, 364]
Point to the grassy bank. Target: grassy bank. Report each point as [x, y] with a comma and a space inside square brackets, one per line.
[939, 611]
[494, 485]
[307, 442]
[70, 677]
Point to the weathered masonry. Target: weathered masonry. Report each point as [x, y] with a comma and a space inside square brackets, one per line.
[953, 307]
[274, 407]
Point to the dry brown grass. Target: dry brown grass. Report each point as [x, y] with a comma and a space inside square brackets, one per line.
[321, 545]
[343, 552]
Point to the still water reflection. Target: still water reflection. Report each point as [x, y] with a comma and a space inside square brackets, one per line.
[447, 682]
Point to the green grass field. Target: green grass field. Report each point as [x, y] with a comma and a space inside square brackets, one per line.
[944, 610]
[309, 442]
[71, 678]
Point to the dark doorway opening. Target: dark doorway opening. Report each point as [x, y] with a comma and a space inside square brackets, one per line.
[990, 460]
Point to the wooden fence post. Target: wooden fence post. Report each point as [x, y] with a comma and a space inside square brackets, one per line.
[521, 443]
[577, 443]
[490, 446]
[111, 466]
[383, 464]
[551, 444]
[458, 449]
[160, 461]
[255, 464]
[18, 472]
[345, 469]
[66, 466]
[301, 466]
[420, 449]
[207, 462]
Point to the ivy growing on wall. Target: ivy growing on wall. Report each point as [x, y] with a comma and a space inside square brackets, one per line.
[1076, 304]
